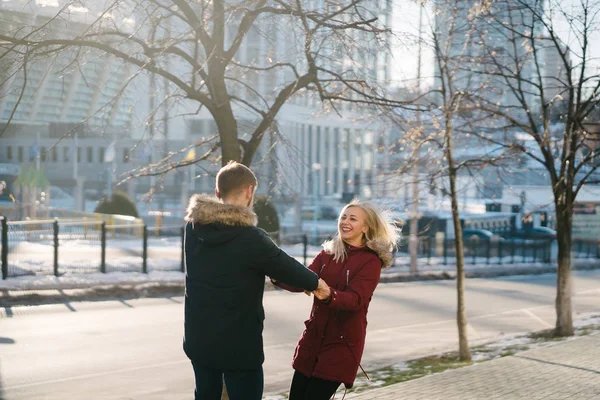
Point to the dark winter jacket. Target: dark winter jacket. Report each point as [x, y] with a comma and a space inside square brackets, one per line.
[227, 258]
[332, 344]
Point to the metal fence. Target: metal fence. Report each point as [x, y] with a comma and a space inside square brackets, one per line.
[57, 247]
[499, 251]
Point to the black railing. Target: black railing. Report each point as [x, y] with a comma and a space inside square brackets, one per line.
[58, 247]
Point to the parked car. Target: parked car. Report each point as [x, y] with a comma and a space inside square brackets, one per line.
[481, 234]
[539, 232]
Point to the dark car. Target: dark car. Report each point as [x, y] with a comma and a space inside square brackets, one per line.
[474, 234]
[539, 232]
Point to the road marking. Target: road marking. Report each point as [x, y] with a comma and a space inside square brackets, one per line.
[473, 331]
[73, 378]
[538, 319]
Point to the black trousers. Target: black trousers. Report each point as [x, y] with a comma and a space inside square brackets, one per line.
[241, 385]
[305, 388]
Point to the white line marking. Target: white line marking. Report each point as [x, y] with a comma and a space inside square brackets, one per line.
[72, 378]
[538, 319]
[473, 331]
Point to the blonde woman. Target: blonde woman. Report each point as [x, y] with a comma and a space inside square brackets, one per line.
[330, 348]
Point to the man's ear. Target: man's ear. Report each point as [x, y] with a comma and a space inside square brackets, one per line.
[217, 193]
[249, 192]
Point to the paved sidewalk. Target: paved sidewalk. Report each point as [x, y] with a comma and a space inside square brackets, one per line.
[566, 371]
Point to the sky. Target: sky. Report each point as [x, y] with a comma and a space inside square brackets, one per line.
[405, 21]
[405, 26]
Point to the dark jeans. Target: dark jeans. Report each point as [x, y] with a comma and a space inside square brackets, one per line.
[305, 388]
[241, 385]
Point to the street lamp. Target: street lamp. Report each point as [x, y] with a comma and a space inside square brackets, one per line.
[316, 167]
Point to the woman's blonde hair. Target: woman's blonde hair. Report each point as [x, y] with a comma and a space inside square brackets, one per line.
[381, 225]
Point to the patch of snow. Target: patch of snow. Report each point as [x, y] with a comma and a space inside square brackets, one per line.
[275, 397]
[68, 281]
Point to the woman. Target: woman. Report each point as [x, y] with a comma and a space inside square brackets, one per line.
[330, 348]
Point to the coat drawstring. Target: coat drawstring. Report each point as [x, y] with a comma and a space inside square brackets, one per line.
[344, 396]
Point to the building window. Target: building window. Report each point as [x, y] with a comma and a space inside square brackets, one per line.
[54, 154]
[101, 154]
[20, 153]
[43, 154]
[66, 154]
[125, 156]
[90, 154]
[9, 154]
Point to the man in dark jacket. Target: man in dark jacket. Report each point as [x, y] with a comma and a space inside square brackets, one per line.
[227, 258]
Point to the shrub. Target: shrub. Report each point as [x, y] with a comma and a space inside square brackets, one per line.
[119, 203]
[267, 214]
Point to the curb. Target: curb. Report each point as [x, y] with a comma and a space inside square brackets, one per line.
[134, 290]
[490, 272]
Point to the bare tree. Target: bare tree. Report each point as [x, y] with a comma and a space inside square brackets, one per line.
[546, 108]
[325, 50]
[433, 135]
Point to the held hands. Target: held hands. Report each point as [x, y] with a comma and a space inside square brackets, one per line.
[323, 291]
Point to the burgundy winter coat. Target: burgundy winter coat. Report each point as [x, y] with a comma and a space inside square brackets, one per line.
[332, 344]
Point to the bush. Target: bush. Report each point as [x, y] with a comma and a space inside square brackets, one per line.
[119, 203]
[267, 214]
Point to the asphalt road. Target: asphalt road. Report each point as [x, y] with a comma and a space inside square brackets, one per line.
[132, 349]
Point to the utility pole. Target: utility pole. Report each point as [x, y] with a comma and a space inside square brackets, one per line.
[413, 238]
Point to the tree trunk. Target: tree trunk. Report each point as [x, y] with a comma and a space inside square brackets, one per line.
[228, 134]
[461, 315]
[564, 311]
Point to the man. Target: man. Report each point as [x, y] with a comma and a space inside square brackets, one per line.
[227, 258]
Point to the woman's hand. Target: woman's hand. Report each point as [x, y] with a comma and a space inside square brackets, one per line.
[323, 292]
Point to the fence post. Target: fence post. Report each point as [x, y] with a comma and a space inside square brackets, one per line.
[182, 249]
[55, 226]
[429, 246]
[512, 251]
[103, 247]
[445, 250]
[4, 248]
[500, 255]
[305, 246]
[589, 251]
[145, 250]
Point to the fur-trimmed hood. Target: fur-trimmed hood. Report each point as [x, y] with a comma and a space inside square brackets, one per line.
[204, 209]
[381, 247]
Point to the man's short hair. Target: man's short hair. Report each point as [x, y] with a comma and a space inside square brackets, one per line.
[234, 177]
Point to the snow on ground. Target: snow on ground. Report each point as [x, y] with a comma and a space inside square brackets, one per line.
[31, 264]
[67, 281]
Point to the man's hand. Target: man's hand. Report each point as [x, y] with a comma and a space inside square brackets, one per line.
[323, 291]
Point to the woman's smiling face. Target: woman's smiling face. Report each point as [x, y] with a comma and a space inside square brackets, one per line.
[352, 225]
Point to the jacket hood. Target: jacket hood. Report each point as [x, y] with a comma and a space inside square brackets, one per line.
[382, 248]
[205, 210]
[214, 223]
